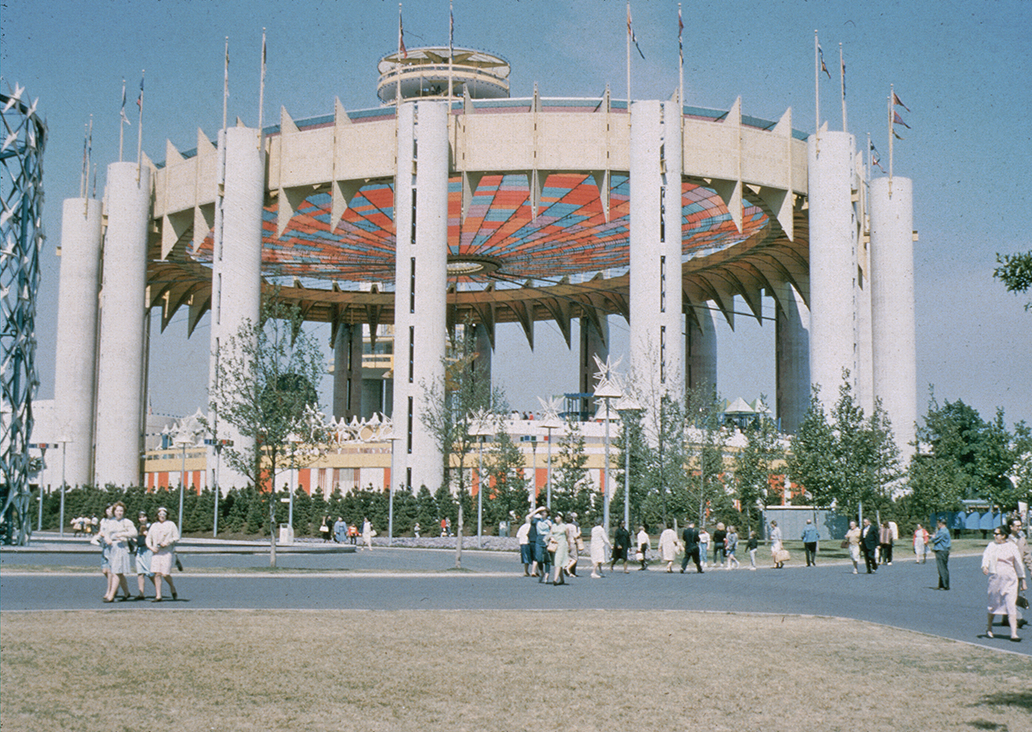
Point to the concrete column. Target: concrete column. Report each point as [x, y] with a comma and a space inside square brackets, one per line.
[236, 268]
[347, 372]
[792, 344]
[657, 345]
[834, 319]
[75, 371]
[482, 362]
[123, 310]
[421, 278]
[592, 343]
[701, 350]
[892, 295]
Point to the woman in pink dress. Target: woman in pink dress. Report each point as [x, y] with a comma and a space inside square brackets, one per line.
[161, 540]
[1002, 563]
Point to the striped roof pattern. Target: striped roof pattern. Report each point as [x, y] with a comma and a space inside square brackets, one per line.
[570, 237]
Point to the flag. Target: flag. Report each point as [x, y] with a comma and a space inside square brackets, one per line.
[263, 53]
[630, 32]
[824, 66]
[896, 134]
[402, 51]
[680, 30]
[843, 63]
[876, 158]
[84, 144]
[451, 31]
[122, 113]
[139, 99]
[896, 100]
[897, 120]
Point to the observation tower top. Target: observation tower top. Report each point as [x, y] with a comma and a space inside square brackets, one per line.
[424, 73]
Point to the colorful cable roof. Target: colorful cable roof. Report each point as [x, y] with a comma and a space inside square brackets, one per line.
[570, 237]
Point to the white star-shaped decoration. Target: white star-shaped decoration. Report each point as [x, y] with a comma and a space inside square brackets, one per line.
[606, 370]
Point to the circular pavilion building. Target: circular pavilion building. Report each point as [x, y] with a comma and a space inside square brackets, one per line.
[453, 203]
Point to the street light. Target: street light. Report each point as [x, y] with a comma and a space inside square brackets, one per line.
[218, 445]
[605, 390]
[43, 474]
[392, 437]
[293, 439]
[64, 454]
[629, 409]
[183, 439]
[481, 429]
[550, 422]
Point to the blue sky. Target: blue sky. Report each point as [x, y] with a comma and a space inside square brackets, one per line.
[963, 68]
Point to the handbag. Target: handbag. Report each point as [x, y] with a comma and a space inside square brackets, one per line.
[1022, 601]
[552, 545]
[844, 544]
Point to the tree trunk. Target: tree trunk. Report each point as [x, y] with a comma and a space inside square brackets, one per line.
[272, 513]
[458, 538]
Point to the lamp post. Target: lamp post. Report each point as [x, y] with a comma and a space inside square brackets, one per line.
[218, 445]
[64, 454]
[481, 429]
[533, 472]
[292, 439]
[628, 409]
[605, 390]
[182, 441]
[550, 422]
[393, 438]
[43, 472]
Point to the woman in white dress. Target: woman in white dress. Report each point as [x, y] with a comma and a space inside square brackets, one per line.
[368, 534]
[558, 535]
[117, 533]
[574, 542]
[852, 541]
[161, 540]
[776, 544]
[668, 545]
[644, 546]
[1001, 561]
[599, 542]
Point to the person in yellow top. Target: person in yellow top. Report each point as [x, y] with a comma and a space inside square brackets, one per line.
[853, 542]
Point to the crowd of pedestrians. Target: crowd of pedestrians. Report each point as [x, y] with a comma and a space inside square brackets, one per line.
[549, 549]
[141, 548]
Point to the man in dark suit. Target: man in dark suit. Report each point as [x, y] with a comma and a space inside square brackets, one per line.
[691, 547]
[869, 543]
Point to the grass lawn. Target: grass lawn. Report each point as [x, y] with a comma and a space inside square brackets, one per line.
[554, 671]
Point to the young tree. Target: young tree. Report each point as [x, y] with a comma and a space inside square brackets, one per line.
[569, 471]
[755, 463]
[265, 388]
[505, 466]
[450, 412]
[848, 460]
[703, 416]
[632, 433]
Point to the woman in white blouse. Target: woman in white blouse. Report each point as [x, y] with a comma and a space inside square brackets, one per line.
[161, 540]
[117, 533]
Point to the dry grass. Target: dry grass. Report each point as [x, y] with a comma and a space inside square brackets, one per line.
[251, 670]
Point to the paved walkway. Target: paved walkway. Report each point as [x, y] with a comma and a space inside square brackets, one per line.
[902, 595]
